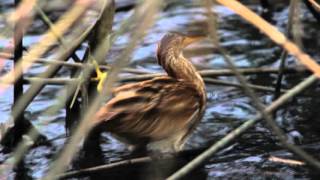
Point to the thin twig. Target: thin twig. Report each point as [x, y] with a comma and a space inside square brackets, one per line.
[47, 21]
[284, 53]
[253, 86]
[206, 72]
[283, 58]
[105, 167]
[102, 67]
[215, 72]
[64, 81]
[81, 65]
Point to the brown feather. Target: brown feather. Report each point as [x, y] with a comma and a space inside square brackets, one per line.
[164, 109]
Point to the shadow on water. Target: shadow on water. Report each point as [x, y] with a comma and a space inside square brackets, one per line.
[248, 156]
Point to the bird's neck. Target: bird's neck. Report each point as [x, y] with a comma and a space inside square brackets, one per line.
[179, 67]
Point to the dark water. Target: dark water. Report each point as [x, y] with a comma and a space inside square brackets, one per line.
[227, 108]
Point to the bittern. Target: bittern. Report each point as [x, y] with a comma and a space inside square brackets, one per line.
[160, 113]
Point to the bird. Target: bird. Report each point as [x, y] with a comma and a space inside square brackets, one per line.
[158, 114]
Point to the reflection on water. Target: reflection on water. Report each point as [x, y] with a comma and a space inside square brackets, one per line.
[227, 107]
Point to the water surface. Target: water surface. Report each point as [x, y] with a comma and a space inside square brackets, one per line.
[227, 107]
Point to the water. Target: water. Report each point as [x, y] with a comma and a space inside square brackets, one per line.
[227, 107]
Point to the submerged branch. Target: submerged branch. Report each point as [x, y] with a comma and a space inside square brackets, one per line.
[105, 167]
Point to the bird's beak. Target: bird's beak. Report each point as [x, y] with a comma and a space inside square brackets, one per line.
[191, 39]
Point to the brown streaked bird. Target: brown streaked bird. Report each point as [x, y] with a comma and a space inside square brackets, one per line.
[159, 113]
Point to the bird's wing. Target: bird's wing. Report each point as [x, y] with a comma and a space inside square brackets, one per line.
[155, 108]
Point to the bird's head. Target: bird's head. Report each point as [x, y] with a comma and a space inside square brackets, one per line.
[172, 44]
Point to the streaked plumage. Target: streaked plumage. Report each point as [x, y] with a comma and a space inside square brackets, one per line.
[160, 112]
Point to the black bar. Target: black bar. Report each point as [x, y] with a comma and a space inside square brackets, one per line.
[18, 88]
[18, 51]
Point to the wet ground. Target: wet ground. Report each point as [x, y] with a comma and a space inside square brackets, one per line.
[248, 156]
